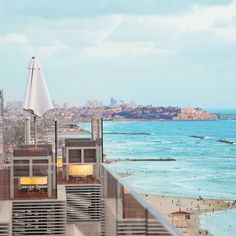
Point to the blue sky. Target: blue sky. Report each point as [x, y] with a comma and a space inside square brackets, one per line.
[156, 52]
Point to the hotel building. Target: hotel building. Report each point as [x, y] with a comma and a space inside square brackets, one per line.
[76, 194]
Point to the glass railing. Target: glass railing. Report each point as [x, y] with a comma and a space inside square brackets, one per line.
[127, 212]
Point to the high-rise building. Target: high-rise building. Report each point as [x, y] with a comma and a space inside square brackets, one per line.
[113, 102]
[1, 103]
[55, 105]
[65, 106]
[1, 125]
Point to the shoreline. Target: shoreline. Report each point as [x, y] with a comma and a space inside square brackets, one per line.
[156, 120]
[196, 207]
[149, 120]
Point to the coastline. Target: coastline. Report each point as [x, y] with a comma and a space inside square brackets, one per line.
[156, 120]
[196, 207]
[199, 165]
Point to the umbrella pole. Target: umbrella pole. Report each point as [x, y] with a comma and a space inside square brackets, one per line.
[35, 135]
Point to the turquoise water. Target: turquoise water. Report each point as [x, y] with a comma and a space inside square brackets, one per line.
[222, 111]
[221, 223]
[203, 167]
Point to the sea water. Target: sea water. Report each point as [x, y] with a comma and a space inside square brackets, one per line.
[222, 223]
[204, 167]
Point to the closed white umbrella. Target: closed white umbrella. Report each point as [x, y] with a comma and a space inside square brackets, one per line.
[37, 99]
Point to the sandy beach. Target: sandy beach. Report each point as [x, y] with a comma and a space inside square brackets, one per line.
[166, 205]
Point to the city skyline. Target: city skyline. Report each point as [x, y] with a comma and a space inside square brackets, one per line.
[145, 51]
[112, 102]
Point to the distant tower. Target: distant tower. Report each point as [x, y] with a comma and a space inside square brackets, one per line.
[1, 126]
[1, 103]
[65, 106]
[113, 102]
[54, 104]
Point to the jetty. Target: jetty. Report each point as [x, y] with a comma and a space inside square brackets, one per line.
[197, 136]
[140, 159]
[226, 141]
[219, 140]
[128, 133]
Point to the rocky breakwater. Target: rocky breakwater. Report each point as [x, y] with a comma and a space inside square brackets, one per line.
[194, 114]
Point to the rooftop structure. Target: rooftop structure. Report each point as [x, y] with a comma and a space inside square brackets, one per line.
[32, 172]
[76, 194]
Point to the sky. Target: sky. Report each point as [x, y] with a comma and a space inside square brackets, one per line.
[176, 52]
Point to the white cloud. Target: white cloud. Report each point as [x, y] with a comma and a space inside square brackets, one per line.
[48, 50]
[108, 50]
[13, 38]
[203, 18]
[23, 42]
[150, 31]
[198, 19]
[111, 36]
[227, 34]
[104, 34]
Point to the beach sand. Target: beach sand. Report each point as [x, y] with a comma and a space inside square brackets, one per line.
[167, 205]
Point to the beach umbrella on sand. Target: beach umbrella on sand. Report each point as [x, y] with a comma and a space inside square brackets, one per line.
[37, 99]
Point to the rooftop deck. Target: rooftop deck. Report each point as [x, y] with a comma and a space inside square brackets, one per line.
[37, 192]
[76, 179]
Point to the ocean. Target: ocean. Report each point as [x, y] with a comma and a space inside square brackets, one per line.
[204, 167]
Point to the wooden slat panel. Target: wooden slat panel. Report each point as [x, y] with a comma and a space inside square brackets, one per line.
[140, 227]
[84, 203]
[39, 218]
[4, 229]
